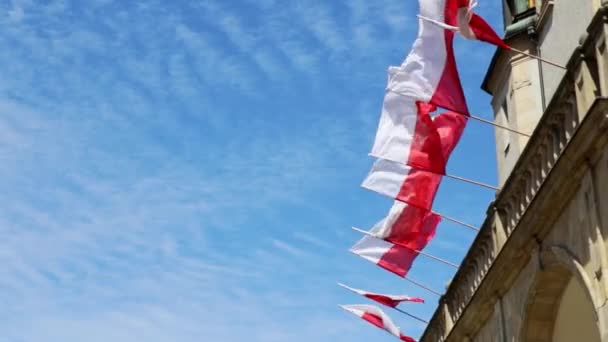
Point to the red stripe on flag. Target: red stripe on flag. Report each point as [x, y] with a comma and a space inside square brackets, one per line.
[434, 139]
[449, 93]
[409, 220]
[411, 232]
[391, 302]
[415, 300]
[450, 127]
[398, 260]
[406, 338]
[419, 234]
[425, 149]
[484, 32]
[374, 319]
[383, 300]
[378, 322]
[419, 188]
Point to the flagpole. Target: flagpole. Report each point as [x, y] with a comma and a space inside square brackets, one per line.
[412, 316]
[466, 180]
[470, 226]
[412, 249]
[498, 125]
[539, 58]
[423, 287]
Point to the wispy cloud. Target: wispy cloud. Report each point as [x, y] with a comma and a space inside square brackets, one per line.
[188, 171]
[287, 248]
[16, 14]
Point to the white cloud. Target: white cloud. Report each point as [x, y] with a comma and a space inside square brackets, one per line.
[152, 164]
[287, 248]
[318, 19]
[16, 14]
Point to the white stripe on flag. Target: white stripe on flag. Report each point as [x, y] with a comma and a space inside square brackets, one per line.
[386, 177]
[371, 249]
[383, 229]
[396, 128]
[419, 75]
[362, 309]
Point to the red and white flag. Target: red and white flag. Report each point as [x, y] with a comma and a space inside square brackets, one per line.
[427, 78]
[471, 25]
[407, 225]
[389, 300]
[429, 73]
[415, 138]
[391, 257]
[450, 127]
[414, 184]
[403, 183]
[397, 239]
[378, 318]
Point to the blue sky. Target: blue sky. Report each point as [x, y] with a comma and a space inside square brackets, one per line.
[190, 170]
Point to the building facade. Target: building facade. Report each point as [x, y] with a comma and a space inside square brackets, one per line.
[538, 269]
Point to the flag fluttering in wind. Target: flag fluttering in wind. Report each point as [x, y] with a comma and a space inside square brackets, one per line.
[403, 183]
[450, 127]
[412, 148]
[407, 134]
[388, 300]
[406, 225]
[378, 318]
[429, 73]
[470, 25]
[391, 257]
[397, 238]
[430, 151]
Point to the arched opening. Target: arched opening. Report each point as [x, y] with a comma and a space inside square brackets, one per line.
[561, 304]
[575, 318]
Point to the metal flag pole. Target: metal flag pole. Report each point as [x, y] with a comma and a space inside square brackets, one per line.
[470, 181]
[412, 316]
[412, 249]
[477, 118]
[539, 58]
[470, 226]
[423, 287]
